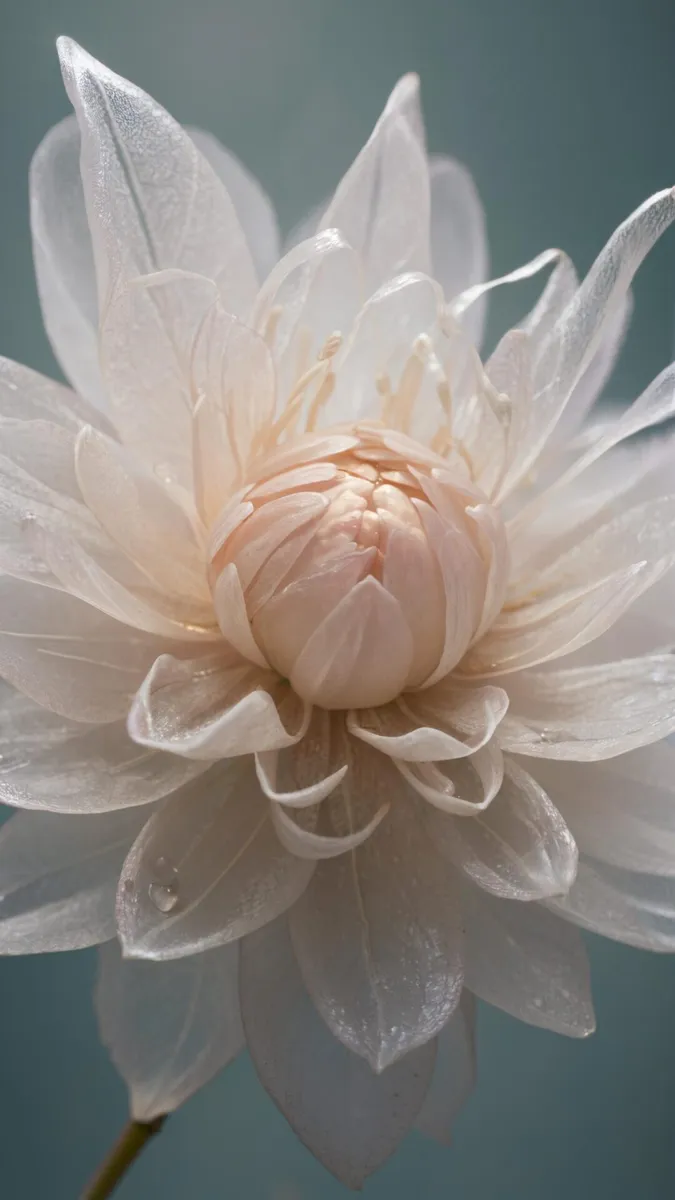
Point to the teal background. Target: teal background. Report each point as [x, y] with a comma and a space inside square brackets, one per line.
[564, 112]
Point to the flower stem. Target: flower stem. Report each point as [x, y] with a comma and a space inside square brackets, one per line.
[126, 1150]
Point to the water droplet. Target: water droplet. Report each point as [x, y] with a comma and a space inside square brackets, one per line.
[538, 1002]
[163, 889]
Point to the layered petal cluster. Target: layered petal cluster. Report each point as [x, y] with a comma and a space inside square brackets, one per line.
[339, 660]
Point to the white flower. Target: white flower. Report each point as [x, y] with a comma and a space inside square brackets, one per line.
[322, 564]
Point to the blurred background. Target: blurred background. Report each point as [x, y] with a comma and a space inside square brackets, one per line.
[564, 114]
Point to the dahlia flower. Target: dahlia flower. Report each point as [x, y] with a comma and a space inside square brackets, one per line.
[339, 660]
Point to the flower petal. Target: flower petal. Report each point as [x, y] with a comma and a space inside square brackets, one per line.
[627, 906]
[58, 877]
[50, 763]
[454, 1075]
[68, 656]
[528, 963]
[519, 848]
[382, 204]
[623, 811]
[462, 787]
[459, 251]
[230, 608]
[206, 870]
[587, 713]
[255, 211]
[169, 1027]
[304, 774]
[209, 708]
[26, 395]
[64, 261]
[442, 722]
[351, 1119]
[152, 200]
[377, 932]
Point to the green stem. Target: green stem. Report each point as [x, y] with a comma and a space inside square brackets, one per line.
[132, 1140]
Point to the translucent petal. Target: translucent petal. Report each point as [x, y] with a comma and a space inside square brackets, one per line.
[528, 963]
[382, 204]
[587, 713]
[304, 842]
[230, 608]
[304, 774]
[519, 848]
[454, 1074]
[253, 207]
[209, 708]
[153, 201]
[26, 395]
[628, 906]
[58, 876]
[377, 932]
[53, 764]
[440, 723]
[459, 251]
[206, 870]
[351, 1119]
[68, 656]
[597, 373]
[621, 812]
[64, 263]
[464, 578]
[462, 787]
[169, 1027]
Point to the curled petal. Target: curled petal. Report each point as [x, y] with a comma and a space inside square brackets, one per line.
[523, 960]
[307, 844]
[208, 708]
[308, 772]
[351, 1119]
[519, 848]
[439, 723]
[587, 713]
[58, 877]
[207, 869]
[379, 946]
[462, 787]
[169, 1027]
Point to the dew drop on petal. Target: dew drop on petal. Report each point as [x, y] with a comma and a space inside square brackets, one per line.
[163, 889]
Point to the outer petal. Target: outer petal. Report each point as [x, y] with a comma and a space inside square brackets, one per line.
[382, 204]
[68, 656]
[377, 933]
[210, 708]
[454, 1075]
[459, 252]
[519, 848]
[443, 722]
[64, 263]
[206, 870]
[621, 812]
[169, 1027]
[253, 207]
[587, 713]
[58, 877]
[460, 787]
[152, 200]
[523, 960]
[627, 906]
[50, 763]
[351, 1119]
[26, 395]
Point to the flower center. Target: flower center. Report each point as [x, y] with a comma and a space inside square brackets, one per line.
[363, 573]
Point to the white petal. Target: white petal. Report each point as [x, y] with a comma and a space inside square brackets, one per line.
[459, 252]
[169, 1027]
[464, 578]
[627, 906]
[230, 608]
[209, 708]
[363, 649]
[598, 371]
[587, 713]
[304, 842]
[621, 812]
[26, 395]
[443, 722]
[68, 656]
[471, 295]
[58, 877]
[462, 787]
[519, 848]
[253, 207]
[454, 1074]
[351, 1119]
[523, 960]
[304, 774]
[377, 932]
[382, 204]
[152, 201]
[53, 764]
[64, 261]
[206, 870]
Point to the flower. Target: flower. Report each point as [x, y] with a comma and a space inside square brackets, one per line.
[287, 580]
